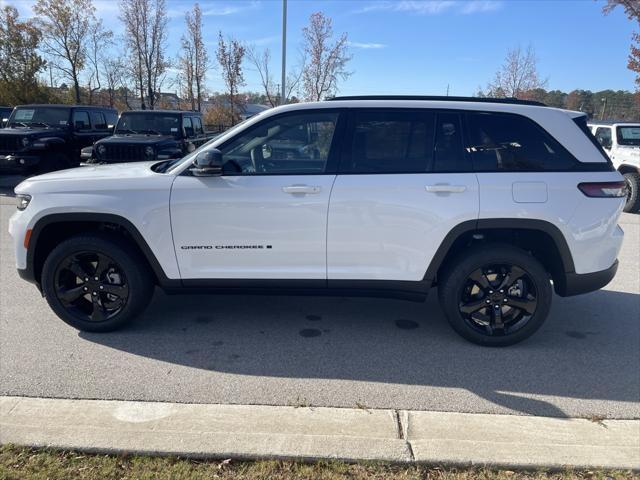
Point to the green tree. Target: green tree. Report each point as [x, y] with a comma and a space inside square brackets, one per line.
[20, 62]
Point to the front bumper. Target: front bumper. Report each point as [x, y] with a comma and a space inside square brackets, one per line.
[579, 283]
[18, 162]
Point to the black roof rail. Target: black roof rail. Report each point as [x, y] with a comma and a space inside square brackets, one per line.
[515, 101]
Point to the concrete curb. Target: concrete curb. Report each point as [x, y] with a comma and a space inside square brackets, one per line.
[249, 432]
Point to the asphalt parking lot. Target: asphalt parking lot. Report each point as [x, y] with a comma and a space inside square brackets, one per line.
[330, 351]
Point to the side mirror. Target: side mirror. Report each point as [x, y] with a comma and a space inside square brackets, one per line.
[208, 164]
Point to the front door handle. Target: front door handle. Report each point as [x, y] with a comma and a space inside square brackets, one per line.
[301, 189]
[445, 188]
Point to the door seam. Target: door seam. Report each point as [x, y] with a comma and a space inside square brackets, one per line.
[326, 235]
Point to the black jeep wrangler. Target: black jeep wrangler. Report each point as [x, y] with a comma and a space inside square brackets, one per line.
[44, 138]
[150, 135]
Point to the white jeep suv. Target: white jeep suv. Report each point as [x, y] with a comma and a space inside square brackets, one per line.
[621, 142]
[495, 202]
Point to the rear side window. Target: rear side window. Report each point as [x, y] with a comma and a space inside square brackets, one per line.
[386, 141]
[449, 155]
[503, 142]
[629, 135]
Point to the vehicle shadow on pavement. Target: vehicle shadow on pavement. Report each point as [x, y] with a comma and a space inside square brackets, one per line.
[586, 350]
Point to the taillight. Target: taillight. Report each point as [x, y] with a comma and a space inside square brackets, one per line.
[604, 189]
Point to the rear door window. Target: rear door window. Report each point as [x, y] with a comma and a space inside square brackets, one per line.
[390, 141]
[99, 123]
[81, 120]
[507, 142]
[603, 135]
[449, 155]
[188, 126]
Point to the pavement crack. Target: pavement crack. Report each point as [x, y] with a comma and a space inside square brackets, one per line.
[399, 430]
[402, 433]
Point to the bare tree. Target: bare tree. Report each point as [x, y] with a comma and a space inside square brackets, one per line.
[145, 23]
[200, 55]
[230, 55]
[517, 76]
[632, 10]
[115, 74]
[262, 60]
[100, 40]
[65, 27]
[186, 63]
[327, 59]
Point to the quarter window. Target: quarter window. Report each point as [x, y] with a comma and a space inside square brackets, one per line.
[385, 141]
[293, 144]
[503, 142]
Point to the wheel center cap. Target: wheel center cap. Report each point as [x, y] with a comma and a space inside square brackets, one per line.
[497, 297]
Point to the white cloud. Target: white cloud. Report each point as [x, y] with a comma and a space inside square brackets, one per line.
[433, 7]
[366, 45]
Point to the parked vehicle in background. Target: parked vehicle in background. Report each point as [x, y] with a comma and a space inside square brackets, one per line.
[142, 135]
[44, 138]
[621, 142]
[495, 202]
[4, 115]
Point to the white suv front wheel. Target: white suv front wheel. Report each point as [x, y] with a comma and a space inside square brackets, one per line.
[496, 295]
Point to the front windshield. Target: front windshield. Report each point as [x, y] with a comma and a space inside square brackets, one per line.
[39, 116]
[629, 135]
[151, 123]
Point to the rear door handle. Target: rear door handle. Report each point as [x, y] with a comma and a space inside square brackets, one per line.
[301, 189]
[445, 188]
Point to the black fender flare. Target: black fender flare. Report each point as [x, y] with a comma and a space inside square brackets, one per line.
[554, 232]
[98, 218]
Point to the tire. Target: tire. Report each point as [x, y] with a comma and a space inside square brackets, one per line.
[123, 289]
[633, 199]
[523, 305]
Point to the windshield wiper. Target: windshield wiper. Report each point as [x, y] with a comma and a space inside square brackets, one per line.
[13, 124]
[44, 124]
[153, 132]
[126, 130]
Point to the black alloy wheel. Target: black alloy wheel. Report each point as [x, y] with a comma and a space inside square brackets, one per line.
[97, 282]
[498, 299]
[495, 294]
[91, 286]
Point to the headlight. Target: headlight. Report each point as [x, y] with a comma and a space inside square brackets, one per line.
[101, 149]
[148, 151]
[23, 201]
[25, 141]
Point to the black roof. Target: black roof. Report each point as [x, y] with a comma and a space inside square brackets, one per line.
[183, 112]
[515, 101]
[59, 105]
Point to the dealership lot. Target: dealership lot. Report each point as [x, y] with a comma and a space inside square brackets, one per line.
[330, 351]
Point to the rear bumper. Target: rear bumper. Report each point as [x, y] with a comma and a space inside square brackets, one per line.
[579, 283]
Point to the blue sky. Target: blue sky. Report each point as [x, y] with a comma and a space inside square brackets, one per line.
[418, 47]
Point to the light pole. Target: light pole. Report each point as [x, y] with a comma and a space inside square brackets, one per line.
[284, 51]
